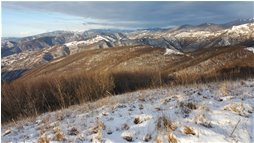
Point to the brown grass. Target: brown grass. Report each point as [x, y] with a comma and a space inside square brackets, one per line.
[43, 139]
[224, 89]
[164, 122]
[158, 139]
[172, 138]
[235, 107]
[188, 131]
[58, 135]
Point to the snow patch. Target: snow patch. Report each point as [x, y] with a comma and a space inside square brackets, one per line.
[250, 49]
[170, 51]
[90, 41]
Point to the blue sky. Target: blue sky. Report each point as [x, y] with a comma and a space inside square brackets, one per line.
[29, 18]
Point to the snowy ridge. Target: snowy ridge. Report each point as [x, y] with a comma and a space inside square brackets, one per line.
[250, 49]
[90, 41]
[246, 29]
[170, 51]
[215, 112]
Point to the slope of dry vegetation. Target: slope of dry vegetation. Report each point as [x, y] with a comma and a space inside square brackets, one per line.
[44, 94]
[90, 75]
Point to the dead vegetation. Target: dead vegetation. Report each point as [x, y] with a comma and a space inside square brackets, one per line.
[58, 135]
[201, 119]
[172, 138]
[187, 107]
[188, 131]
[224, 89]
[166, 126]
[39, 95]
[43, 139]
[239, 108]
[165, 123]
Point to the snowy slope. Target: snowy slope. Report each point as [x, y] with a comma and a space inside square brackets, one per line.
[216, 112]
[250, 49]
[90, 41]
[170, 51]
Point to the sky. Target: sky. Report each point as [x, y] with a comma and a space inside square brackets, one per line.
[21, 19]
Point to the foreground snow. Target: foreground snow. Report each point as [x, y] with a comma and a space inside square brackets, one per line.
[216, 112]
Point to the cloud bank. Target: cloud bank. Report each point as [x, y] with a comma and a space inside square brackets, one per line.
[141, 14]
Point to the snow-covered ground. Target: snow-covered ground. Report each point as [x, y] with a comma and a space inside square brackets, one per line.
[215, 112]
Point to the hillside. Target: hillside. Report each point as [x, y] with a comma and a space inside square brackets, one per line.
[214, 112]
[211, 61]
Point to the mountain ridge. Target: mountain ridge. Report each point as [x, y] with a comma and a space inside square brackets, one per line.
[30, 52]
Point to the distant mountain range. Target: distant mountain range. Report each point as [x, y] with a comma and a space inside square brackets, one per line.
[29, 52]
[184, 38]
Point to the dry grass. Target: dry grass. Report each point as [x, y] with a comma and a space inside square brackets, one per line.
[58, 134]
[158, 139]
[168, 124]
[43, 139]
[165, 123]
[235, 107]
[186, 108]
[39, 95]
[224, 89]
[188, 131]
[201, 119]
[172, 138]
[98, 130]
